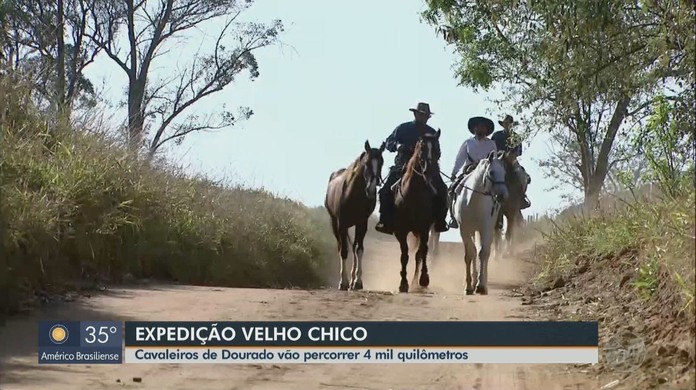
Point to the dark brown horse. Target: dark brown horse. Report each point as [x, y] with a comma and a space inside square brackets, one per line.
[414, 211]
[516, 180]
[350, 200]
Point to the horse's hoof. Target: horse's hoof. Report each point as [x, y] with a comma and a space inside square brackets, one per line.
[403, 288]
[357, 285]
[481, 290]
[469, 291]
[343, 286]
[424, 280]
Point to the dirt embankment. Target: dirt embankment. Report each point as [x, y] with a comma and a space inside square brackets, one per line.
[644, 344]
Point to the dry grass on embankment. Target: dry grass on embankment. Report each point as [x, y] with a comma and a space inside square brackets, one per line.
[76, 207]
[633, 270]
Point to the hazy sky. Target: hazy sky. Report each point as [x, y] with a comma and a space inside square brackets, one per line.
[349, 71]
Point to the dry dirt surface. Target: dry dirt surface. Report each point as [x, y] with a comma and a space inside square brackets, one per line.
[379, 301]
[645, 344]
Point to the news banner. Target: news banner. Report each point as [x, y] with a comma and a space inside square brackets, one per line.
[334, 342]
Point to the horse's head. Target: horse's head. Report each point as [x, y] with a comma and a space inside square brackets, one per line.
[428, 152]
[372, 162]
[495, 176]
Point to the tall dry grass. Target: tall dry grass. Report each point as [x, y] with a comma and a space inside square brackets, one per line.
[76, 205]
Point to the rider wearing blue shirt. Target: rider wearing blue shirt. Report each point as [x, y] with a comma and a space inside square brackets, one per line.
[505, 141]
[403, 140]
[502, 137]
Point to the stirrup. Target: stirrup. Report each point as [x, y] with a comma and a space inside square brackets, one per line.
[453, 223]
[443, 228]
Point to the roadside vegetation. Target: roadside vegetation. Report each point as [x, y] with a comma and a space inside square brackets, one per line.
[612, 85]
[78, 206]
[631, 265]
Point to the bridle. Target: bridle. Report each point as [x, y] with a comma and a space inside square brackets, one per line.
[367, 170]
[488, 179]
[424, 163]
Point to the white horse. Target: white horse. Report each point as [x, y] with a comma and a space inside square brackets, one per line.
[476, 209]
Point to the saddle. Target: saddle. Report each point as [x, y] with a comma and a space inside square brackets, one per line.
[456, 187]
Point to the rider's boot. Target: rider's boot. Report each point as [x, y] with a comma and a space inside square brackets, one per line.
[441, 205]
[386, 220]
[384, 227]
[441, 225]
[386, 210]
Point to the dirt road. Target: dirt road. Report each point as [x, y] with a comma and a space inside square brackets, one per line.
[445, 301]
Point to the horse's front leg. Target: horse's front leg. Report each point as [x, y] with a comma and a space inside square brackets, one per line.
[469, 257]
[484, 255]
[343, 253]
[360, 230]
[403, 245]
[422, 256]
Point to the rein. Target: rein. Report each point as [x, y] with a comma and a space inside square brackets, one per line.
[496, 204]
[422, 174]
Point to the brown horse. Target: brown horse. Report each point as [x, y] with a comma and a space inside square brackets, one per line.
[350, 200]
[413, 206]
[516, 180]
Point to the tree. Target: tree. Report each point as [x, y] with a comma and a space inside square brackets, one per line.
[585, 69]
[46, 41]
[161, 104]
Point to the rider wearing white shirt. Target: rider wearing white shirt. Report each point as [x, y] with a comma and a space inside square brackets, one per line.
[477, 147]
[472, 151]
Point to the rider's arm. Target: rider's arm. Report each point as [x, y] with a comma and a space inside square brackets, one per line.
[460, 160]
[393, 140]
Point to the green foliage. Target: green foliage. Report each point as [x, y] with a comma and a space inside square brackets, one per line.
[647, 282]
[586, 70]
[661, 233]
[79, 206]
[668, 146]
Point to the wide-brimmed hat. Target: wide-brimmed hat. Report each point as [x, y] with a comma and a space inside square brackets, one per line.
[423, 108]
[479, 120]
[508, 120]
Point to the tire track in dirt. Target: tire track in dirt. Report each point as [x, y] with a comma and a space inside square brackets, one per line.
[445, 301]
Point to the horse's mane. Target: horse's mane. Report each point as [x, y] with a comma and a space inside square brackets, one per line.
[478, 171]
[354, 167]
[410, 165]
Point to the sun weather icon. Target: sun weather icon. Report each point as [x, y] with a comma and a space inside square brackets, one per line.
[58, 334]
